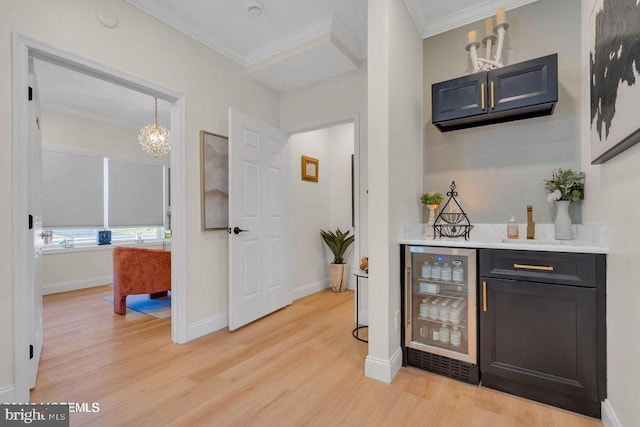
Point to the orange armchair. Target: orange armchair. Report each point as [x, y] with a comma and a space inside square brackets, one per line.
[139, 271]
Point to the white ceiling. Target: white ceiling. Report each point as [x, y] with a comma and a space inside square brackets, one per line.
[293, 43]
[71, 92]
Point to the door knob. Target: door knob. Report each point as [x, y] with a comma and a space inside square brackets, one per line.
[238, 230]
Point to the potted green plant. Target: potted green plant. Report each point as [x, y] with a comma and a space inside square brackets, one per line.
[431, 200]
[565, 186]
[338, 243]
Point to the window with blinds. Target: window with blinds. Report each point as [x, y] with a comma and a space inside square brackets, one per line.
[136, 194]
[89, 191]
[72, 189]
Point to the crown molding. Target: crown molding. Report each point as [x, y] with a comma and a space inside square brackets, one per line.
[179, 23]
[290, 41]
[418, 13]
[327, 25]
[458, 18]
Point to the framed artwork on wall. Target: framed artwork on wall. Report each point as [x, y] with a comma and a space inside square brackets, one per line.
[310, 169]
[214, 181]
[614, 62]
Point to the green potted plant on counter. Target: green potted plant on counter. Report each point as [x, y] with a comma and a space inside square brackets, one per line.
[565, 186]
[338, 243]
[431, 200]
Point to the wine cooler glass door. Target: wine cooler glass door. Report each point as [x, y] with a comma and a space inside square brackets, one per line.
[440, 298]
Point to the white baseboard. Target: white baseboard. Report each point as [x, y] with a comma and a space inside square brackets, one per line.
[609, 418]
[382, 369]
[7, 394]
[56, 288]
[207, 326]
[308, 289]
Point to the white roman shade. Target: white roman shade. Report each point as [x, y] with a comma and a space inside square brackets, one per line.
[136, 194]
[72, 189]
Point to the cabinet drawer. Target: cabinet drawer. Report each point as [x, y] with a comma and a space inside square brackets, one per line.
[533, 266]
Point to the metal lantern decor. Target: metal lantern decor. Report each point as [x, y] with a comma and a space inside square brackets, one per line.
[155, 139]
[452, 221]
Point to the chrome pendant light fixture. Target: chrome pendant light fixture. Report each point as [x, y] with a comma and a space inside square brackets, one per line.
[155, 139]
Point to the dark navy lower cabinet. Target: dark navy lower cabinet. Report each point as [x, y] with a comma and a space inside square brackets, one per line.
[542, 333]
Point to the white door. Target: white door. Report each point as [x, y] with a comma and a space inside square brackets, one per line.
[35, 232]
[259, 223]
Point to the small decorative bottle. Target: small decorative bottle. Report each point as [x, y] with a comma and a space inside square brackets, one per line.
[512, 229]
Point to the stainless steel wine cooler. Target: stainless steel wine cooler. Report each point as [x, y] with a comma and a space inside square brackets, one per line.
[440, 311]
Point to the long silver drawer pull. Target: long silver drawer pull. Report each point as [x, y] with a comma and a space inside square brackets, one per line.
[533, 267]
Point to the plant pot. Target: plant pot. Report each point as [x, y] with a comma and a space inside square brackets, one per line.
[428, 230]
[338, 275]
[562, 224]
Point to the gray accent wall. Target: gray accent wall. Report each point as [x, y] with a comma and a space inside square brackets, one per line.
[499, 169]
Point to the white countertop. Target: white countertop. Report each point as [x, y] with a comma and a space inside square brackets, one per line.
[588, 238]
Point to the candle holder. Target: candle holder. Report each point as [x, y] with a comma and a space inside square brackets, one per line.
[472, 48]
[487, 63]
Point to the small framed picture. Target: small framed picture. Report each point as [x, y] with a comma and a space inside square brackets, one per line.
[309, 169]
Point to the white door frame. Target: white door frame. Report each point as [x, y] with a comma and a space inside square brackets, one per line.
[23, 47]
[336, 121]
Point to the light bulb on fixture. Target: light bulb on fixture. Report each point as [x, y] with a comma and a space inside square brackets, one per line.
[155, 139]
[254, 7]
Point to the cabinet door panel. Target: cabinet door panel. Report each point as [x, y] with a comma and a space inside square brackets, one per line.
[540, 334]
[461, 97]
[524, 84]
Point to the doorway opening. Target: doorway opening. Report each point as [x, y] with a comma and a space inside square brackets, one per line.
[330, 203]
[27, 298]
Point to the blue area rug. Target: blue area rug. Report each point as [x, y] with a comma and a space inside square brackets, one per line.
[159, 307]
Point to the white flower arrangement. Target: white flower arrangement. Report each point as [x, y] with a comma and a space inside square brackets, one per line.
[565, 184]
[552, 197]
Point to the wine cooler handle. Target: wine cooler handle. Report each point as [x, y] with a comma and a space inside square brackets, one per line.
[407, 294]
[484, 296]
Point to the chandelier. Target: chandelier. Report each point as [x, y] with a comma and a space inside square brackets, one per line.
[155, 139]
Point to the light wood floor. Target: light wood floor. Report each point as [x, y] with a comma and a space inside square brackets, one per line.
[299, 366]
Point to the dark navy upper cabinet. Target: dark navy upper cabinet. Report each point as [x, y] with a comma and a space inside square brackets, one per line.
[461, 97]
[519, 91]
